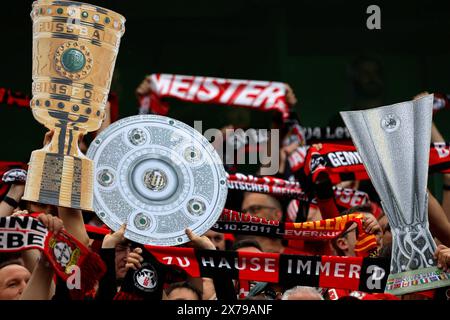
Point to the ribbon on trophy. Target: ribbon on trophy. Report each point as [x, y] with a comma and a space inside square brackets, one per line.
[63, 251]
[261, 95]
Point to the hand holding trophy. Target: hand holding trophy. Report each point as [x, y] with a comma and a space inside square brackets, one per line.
[75, 46]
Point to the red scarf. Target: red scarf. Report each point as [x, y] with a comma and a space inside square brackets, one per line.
[11, 98]
[261, 95]
[342, 162]
[346, 198]
[321, 230]
[264, 184]
[353, 273]
[62, 250]
[16, 98]
[440, 157]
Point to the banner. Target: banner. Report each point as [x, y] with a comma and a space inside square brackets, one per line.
[342, 162]
[264, 184]
[321, 230]
[345, 197]
[351, 273]
[62, 250]
[261, 95]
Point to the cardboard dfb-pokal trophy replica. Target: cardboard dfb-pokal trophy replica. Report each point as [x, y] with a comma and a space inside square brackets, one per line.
[394, 143]
[75, 46]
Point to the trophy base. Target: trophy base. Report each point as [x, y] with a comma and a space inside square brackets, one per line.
[59, 180]
[417, 280]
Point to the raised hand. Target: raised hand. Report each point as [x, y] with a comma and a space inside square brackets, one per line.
[134, 259]
[202, 242]
[113, 239]
[52, 223]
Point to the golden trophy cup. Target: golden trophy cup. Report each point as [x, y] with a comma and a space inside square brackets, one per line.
[75, 46]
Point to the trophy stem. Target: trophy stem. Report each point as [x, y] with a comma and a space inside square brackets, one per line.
[55, 172]
[412, 248]
[65, 140]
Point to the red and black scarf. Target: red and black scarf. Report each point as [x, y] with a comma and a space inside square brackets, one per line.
[345, 198]
[260, 95]
[63, 251]
[342, 162]
[322, 230]
[264, 184]
[352, 273]
[233, 222]
[16, 98]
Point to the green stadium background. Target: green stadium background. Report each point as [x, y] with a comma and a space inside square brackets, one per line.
[307, 44]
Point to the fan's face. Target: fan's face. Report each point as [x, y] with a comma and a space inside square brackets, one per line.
[182, 294]
[121, 260]
[13, 280]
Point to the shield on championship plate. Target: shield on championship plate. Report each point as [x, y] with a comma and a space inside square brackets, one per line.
[158, 175]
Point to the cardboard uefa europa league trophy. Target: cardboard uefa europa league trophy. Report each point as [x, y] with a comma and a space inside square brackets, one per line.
[393, 142]
[75, 46]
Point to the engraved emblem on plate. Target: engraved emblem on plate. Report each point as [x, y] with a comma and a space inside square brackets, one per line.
[192, 154]
[105, 177]
[196, 207]
[137, 137]
[175, 139]
[73, 61]
[155, 180]
[142, 221]
[390, 122]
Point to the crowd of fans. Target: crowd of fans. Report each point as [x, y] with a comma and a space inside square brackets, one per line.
[27, 275]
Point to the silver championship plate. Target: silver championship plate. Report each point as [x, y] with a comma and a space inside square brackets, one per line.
[158, 175]
[394, 143]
